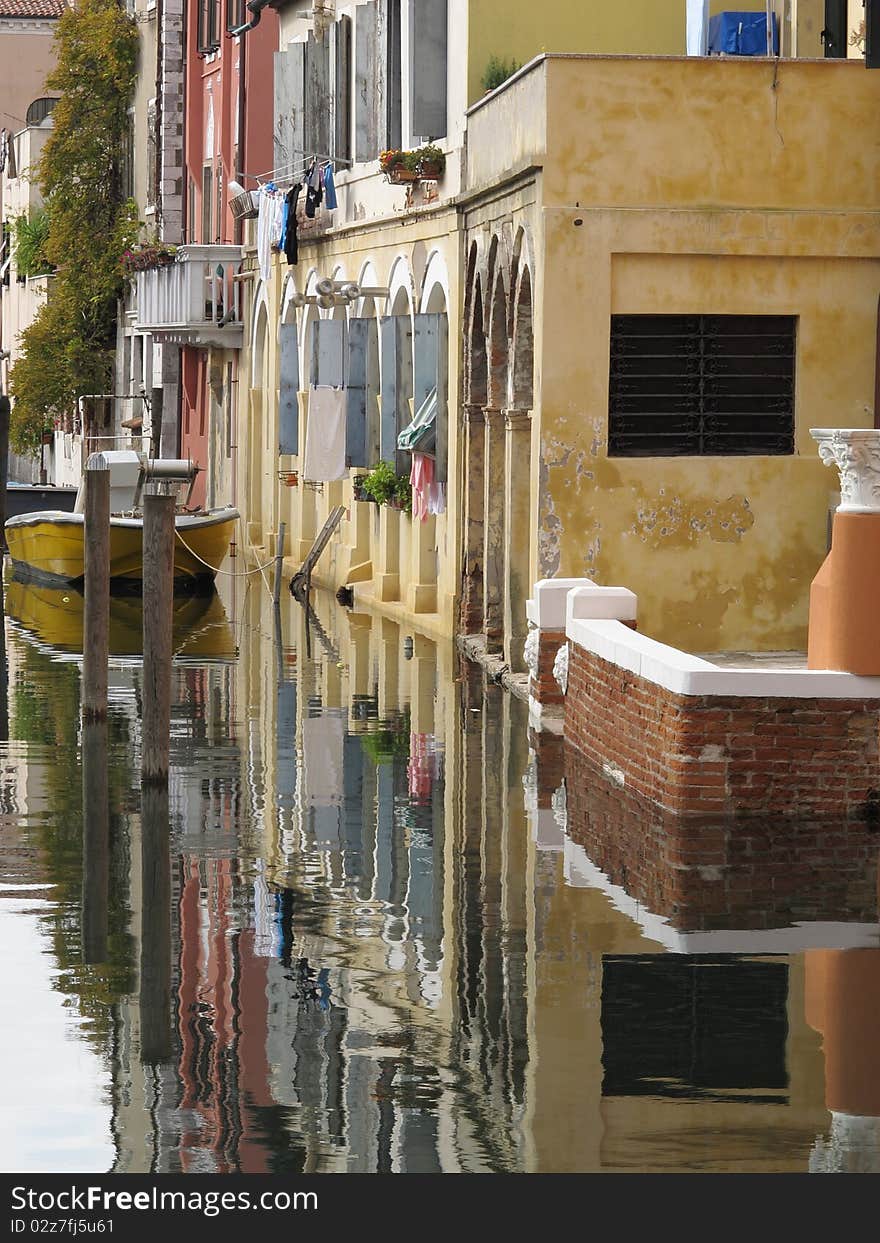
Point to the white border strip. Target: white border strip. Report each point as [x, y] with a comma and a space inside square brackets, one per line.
[684, 674]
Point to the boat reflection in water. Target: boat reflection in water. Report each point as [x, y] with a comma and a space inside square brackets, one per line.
[381, 927]
[54, 617]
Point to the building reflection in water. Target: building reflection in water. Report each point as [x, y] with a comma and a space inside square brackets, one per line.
[376, 926]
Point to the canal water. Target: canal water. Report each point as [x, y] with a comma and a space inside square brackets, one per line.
[377, 925]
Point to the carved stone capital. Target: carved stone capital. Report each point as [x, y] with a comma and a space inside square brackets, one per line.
[518, 420]
[856, 454]
[560, 668]
[530, 652]
[473, 415]
[492, 417]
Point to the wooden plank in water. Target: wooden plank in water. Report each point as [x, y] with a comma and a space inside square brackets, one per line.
[302, 578]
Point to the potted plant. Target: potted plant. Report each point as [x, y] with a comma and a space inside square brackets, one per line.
[386, 487]
[358, 489]
[146, 255]
[432, 162]
[403, 494]
[397, 166]
[379, 483]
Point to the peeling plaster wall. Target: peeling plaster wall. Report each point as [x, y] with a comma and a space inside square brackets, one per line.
[696, 193]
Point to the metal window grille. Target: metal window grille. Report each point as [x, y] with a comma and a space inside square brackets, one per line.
[701, 385]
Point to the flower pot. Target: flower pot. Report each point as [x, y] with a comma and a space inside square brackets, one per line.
[398, 175]
[430, 170]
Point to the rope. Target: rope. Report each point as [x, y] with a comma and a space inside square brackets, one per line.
[257, 569]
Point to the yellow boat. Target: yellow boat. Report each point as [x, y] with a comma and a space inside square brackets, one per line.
[49, 545]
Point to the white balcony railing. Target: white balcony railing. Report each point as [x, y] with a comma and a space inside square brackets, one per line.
[194, 300]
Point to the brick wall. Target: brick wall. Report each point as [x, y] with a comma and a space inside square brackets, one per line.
[707, 873]
[543, 686]
[703, 755]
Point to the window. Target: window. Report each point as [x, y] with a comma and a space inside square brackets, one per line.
[218, 205]
[235, 14]
[39, 110]
[207, 196]
[209, 25]
[701, 385]
[393, 117]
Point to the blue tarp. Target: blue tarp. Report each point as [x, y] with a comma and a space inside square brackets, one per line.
[741, 33]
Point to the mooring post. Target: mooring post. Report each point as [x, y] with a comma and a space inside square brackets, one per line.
[96, 613]
[96, 841]
[279, 561]
[158, 597]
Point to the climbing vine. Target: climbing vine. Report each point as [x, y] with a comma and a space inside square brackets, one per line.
[68, 349]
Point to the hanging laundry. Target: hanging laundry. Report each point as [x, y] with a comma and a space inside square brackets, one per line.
[329, 188]
[277, 220]
[324, 458]
[314, 189]
[421, 476]
[265, 223]
[289, 240]
[437, 498]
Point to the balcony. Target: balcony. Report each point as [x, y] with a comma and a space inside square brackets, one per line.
[194, 300]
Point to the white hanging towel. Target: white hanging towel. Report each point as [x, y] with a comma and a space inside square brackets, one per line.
[265, 224]
[325, 435]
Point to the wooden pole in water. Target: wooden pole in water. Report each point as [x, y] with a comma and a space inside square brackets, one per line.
[155, 990]
[96, 841]
[96, 613]
[279, 561]
[158, 597]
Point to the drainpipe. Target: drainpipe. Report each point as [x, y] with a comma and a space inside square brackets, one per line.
[256, 7]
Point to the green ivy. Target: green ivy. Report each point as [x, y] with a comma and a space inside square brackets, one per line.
[31, 236]
[68, 350]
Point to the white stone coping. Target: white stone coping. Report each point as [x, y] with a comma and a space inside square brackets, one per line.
[684, 674]
[581, 873]
[554, 600]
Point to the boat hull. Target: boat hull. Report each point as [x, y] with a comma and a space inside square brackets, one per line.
[48, 546]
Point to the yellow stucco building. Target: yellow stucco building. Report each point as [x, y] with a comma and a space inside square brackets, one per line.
[676, 188]
[591, 207]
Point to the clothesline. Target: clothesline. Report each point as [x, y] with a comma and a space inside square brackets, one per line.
[294, 166]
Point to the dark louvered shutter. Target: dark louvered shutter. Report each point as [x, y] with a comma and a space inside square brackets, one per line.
[701, 385]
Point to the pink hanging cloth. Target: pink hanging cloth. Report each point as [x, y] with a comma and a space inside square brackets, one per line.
[421, 477]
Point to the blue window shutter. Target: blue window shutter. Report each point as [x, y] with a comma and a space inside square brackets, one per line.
[289, 138]
[328, 352]
[388, 406]
[430, 370]
[441, 452]
[317, 96]
[366, 140]
[397, 386]
[361, 433]
[288, 412]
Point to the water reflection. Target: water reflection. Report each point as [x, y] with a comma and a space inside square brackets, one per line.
[374, 926]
